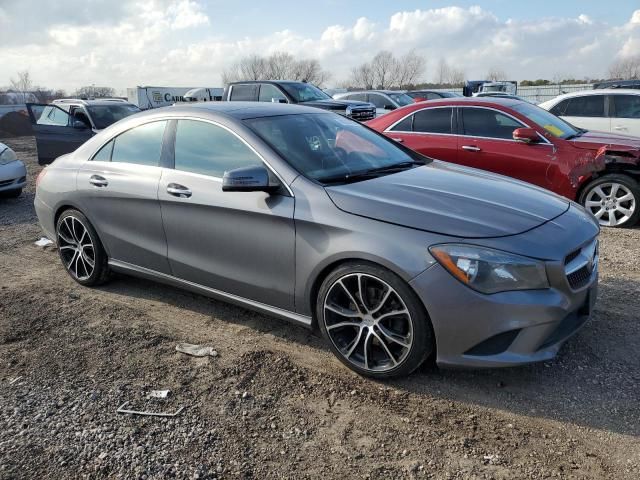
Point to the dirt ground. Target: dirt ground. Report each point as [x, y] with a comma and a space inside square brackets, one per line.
[275, 403]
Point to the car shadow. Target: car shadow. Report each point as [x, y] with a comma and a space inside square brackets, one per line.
[594, 381]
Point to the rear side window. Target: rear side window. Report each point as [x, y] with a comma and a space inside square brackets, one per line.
[560, 108]
[481, 122]
[360, 97]
[405, 125]
[626, 106]
[433, 120]
[104, 154]
[208, 149]
[141, 145]
[244, 93]
[378, 100]
[587, 106]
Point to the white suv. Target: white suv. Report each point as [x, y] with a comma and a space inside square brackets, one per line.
[608, 110]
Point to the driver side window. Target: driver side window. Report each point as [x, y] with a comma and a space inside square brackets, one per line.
[482, 122]
[209, 149]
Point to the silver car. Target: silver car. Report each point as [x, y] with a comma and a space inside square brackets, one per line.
[314, 218]
[13, 173]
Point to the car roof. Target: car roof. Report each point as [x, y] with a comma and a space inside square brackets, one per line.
[243, 110]
[97, 101]
[472, 101]
[275, 82]
[374, 91]
[599, 91]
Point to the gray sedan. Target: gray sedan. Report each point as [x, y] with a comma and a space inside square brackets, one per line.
[314, 218]
[13, 173]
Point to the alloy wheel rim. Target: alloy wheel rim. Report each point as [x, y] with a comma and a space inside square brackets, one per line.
[611, 203]
[76, 248]
[368, 322]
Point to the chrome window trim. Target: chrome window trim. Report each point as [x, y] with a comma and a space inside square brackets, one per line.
[126, 267]
[186, 117]
[388, 129]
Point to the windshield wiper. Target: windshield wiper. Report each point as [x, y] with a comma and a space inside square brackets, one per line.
[371, 173]
[579, 133]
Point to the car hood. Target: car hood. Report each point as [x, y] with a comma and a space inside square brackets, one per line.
[336, 104]
[451, 200]
[593, 140]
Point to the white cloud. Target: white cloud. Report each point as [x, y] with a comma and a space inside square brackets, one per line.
[174, 42]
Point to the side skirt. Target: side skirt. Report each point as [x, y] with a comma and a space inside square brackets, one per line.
[134, 270]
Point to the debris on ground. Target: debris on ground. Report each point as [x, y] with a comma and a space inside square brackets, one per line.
[196, 350]
[158, 394]
[43, 242]
[121, 409]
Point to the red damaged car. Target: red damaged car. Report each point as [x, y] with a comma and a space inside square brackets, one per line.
[600, 170]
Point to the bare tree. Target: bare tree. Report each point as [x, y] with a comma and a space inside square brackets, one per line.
[410, 68]
[456, 77]
[278, 66]
[91, 91]
[495, 74]
[627, 68]
[442, 72]
[22, 85]
[387, 71]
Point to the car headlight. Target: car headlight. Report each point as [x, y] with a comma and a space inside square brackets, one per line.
[7, 156]
[490, 271]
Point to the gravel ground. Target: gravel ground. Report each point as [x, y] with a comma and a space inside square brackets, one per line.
[275, 403]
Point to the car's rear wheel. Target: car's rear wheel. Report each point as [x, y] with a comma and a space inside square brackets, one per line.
[80, 249]
[613, 200]
[374, 322]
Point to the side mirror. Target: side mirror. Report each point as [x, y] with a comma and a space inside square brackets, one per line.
[254, 178]
[79, 124]
[526, 135]
[389, 107]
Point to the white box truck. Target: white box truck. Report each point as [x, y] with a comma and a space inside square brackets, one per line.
[154, 97]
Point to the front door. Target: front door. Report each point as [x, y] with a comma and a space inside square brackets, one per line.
[56, 131]
[242, 243]
[119, 188]
[486, 142]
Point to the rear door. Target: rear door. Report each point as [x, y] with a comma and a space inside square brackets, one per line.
[625, 114]
[429, 131]
[119, 191]
[486, 142]
[55, 131]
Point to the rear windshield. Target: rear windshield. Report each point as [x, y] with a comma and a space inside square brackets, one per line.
[105, 115]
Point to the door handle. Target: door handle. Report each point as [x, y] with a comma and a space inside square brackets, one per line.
[470, 148]
[178, 190]
[98, 181]
[619, 127]
[399, 140]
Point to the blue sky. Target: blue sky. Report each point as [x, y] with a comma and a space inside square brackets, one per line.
[125, 43]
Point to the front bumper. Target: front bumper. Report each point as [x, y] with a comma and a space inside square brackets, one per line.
[13, 176]
[504, 329]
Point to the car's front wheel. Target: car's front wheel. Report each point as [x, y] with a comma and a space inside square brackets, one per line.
[613, 200]
[374, 322]
[80, 249]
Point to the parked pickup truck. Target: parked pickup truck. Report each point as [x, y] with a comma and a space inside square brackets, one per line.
[297, 92]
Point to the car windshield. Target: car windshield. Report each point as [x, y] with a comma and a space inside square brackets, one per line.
[304, 92]
[105, 115]
[552, 124]
[401, 99]
[332, 149]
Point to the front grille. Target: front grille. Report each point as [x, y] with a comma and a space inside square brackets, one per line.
[579, 278]
[363, 114]
[580, 265]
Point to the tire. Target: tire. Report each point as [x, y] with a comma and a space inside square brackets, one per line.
[407, 336]
[73, 229]
[597, 198]
[11, 193]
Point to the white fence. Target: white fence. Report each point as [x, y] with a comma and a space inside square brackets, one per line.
[541, 93]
